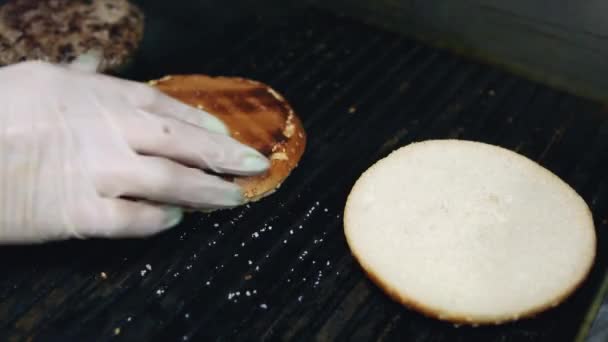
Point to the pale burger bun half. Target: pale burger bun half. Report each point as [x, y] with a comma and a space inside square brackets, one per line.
[468, 232]
[255, 114]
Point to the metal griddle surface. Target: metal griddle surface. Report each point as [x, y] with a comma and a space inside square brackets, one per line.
[280, 268]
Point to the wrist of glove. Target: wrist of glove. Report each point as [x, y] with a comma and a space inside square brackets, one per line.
[77, 148]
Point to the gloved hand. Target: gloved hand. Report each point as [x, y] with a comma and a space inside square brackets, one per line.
[76, 149]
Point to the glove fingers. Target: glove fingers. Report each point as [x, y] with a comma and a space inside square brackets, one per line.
[164, 181]
[166, 106]
[127, 218]
[152, 100]
[171, 138]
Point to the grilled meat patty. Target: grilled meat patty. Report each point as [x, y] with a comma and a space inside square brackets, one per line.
[60, 30]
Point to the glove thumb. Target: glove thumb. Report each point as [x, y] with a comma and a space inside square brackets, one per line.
[87, 62]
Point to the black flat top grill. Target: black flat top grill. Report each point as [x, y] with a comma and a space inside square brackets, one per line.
[280, 269]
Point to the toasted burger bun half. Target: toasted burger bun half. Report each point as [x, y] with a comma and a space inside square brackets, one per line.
[468, 232]
[256, 116]
[58, 31]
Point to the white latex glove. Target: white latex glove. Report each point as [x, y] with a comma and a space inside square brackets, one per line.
[75, 144]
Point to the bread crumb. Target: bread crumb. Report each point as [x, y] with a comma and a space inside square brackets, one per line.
[279, 156]
[289, 128]
[104, 275]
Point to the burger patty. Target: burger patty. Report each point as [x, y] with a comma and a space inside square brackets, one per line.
[58, 31]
